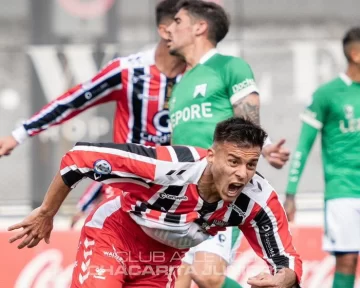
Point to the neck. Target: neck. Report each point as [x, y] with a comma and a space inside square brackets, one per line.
[196, 51]
[353, 72]
[206, 187]
[169, 65]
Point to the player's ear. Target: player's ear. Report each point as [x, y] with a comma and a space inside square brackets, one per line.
[210, 155]
[162, 31]
[201, 27]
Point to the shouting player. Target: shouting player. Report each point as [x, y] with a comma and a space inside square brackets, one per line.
[174, 197]
[335, 112]
[214, 88]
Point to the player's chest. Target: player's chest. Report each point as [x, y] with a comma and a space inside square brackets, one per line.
[344, 111]
[197, 87]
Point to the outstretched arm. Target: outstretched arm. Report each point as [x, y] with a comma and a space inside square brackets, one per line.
[38, 225]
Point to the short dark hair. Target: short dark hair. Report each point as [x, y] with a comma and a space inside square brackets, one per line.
[166, 9]
[212, 13]
[239, 131]
[351, 36]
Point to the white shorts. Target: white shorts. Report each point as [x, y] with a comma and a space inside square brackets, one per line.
[342, 225]
[224, 244]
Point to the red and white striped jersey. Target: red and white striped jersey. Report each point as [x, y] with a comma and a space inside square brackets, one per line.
[159, 191]
[141, 94]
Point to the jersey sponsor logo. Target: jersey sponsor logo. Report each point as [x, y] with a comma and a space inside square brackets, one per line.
[220, 223]
[222, 238]
[102, 167]
[237, 210]
[200, 91]
[242, 85]
[350, 124]
[161, 121]
[163, 139]
[195, 111]
[173, 197]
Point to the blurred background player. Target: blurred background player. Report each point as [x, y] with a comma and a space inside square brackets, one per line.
[335, 112]
[214, 88]
[140, 84]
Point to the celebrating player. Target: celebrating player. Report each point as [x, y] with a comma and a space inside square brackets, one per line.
[214, 88]
[173, 198]
[334, 112]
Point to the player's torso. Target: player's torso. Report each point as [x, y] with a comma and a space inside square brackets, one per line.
[142, 113]
[197, 104]
[177, 216]
[341, 140]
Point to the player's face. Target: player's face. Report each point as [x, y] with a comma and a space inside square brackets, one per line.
[181, 33]
[232, 168]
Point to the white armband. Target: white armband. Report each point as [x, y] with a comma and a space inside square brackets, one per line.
[20, 134]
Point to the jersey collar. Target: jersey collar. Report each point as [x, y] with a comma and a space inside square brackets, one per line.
[345, 78]
[208, 55]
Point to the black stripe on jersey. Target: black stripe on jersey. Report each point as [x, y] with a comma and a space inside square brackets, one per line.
[267, 237]
[183, 154]
[163, 203]
[237, 215]
[137, 102]
[129, 147]
[172, 218]
[86, 96]
[72, 177]
[257, 173]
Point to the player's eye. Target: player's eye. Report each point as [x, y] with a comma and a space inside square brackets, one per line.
[251, 166]
[233, 162]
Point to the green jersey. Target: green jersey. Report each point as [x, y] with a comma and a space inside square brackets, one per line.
[205, 95]
[335, 111]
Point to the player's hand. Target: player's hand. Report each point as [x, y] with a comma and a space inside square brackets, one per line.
[7, 144]
[285, 278]
[76, 218]
[36, 226]
[276, 154]
[290, 207]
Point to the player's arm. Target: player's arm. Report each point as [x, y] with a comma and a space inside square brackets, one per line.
[245, 100]
[267, 232]
[103, 87]
[312, 121]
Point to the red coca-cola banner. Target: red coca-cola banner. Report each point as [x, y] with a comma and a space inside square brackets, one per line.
[50, 266]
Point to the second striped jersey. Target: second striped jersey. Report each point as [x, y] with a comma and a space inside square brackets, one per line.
[160, 192]
[141, 93]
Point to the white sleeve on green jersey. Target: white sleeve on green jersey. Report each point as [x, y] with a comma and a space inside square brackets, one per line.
[239, 79]
[315, 113]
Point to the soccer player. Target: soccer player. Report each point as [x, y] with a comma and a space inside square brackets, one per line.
[214, 88]
[335, 112]
[173, 198]
[140, 84]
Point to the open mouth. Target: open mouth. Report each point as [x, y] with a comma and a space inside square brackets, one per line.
[234, 189]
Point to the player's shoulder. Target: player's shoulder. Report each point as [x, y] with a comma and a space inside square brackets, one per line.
[258, 190]
[180, 153]
[329, 87]
[225, 61]
[137, 60]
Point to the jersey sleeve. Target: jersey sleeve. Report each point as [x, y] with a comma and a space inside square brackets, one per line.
[239, 80]
[103, 87]
[267, 231]
[162, 165]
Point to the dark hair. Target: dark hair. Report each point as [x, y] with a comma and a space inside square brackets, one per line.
[212, 13]
[351, 36]
[166, 9]
[240, 131]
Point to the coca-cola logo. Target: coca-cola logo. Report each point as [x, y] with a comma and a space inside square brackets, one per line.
[45, 270]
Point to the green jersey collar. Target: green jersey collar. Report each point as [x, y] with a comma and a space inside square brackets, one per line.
[346, 79]
[208, 55]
